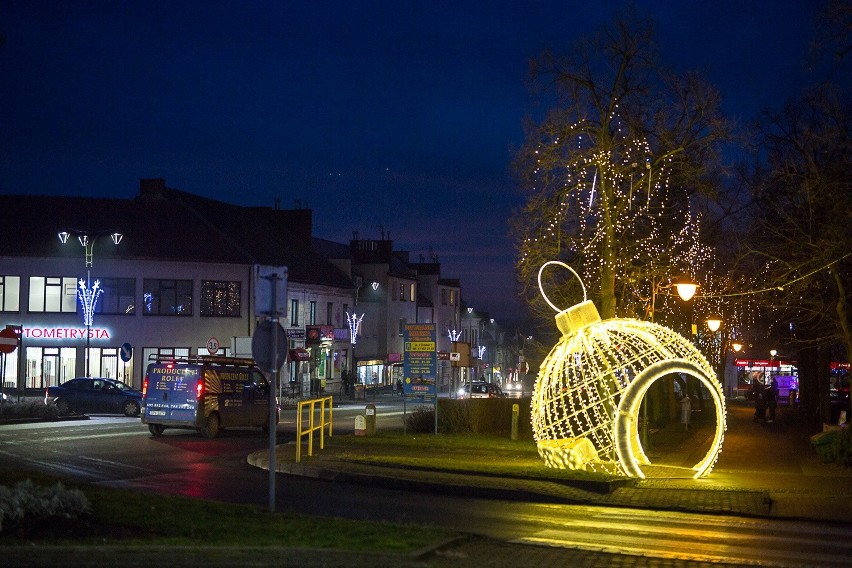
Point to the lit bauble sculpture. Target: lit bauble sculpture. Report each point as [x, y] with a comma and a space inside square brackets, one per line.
[586, 400]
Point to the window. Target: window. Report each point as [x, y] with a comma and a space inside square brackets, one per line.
[10, 290]
[118, 296]
[401, 291]
[313, 313]
[329, 312]
[167, 297]
[402, 322]
[444, 296]
[220, 299]
[294, 312]
[53, 294]
[412, 292]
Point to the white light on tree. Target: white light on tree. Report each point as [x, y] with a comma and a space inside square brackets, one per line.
[354, 322]
[589, 390]
[89, 300]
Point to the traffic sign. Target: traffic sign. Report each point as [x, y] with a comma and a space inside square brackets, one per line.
[126, 352]
[8, 340]
[261, 345]
[212, 345]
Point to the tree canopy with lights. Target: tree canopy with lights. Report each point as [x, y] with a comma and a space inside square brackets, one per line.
[609, 171]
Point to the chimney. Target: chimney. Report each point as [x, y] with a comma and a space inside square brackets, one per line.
[154, 188]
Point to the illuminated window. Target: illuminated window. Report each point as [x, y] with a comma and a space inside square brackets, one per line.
[53, 294]
[220, 299]
[294, 312]
[312, 316]
[10, 293]
[412, 292]
[167, 297]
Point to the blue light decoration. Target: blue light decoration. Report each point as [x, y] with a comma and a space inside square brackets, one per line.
[89, 300]
[354, 321]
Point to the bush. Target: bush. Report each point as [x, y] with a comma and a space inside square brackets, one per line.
[841, 447]
[26, 503]
[472, 416]
[29, 409]
[421, 420]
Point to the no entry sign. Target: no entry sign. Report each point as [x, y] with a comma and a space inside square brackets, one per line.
[8, 340]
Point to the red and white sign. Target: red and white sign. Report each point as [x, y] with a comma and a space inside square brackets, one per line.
[213, 345]
[8, 340]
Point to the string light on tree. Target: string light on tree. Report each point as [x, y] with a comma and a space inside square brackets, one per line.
[589, 389]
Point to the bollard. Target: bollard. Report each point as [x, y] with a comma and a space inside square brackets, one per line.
[515, 411]
[370, 417]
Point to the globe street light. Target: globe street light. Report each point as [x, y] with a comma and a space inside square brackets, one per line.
[87, 293]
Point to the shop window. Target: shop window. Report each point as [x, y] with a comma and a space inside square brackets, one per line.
[53, 294]
[10, 293]
[220, 299]
[167, 297]
[117, 297]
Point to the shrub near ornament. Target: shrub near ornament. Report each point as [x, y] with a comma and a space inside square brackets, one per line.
[589, 390]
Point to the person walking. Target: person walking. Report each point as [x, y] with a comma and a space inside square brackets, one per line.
[772, 399]
[759, 394]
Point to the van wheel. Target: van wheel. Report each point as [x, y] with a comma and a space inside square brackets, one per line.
[211, 426]
[156, 429]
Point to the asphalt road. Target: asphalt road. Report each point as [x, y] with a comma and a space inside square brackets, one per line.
[119, 452]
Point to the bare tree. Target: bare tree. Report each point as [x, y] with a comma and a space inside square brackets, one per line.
[801, 235]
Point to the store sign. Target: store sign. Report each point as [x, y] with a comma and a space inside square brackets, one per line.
[64, 333]
[317, 333]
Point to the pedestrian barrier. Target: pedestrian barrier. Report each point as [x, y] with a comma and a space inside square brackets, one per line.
[313, 426]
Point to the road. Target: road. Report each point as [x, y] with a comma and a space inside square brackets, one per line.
[119, 452]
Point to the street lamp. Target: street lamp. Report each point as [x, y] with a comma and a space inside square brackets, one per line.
[714, 322]
[87, 293]
[685, 287]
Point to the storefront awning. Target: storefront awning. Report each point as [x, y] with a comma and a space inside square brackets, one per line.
[299, 354]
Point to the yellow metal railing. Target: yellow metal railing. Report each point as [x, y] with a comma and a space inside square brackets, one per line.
[313, 426]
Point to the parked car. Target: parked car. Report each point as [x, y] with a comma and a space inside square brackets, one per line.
[480, 389]
[93, 395]
[514, 389]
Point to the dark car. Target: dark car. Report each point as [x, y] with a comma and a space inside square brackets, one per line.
[479, 389]
[90, 395]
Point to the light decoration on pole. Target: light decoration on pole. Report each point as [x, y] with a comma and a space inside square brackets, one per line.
[480, 351]
[87, 295]
[89, 300]
[589, 389]
[454, 334]
[354, 322]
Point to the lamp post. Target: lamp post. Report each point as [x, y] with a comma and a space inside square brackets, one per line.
[86, 293]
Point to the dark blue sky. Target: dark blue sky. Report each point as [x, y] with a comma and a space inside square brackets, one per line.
[399, 116]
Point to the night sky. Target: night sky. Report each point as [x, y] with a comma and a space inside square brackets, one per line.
[397, 118]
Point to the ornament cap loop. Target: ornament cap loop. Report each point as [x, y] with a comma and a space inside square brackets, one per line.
[541, 288]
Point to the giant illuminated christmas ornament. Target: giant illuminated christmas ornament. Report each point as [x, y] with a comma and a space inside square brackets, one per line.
[586, 400]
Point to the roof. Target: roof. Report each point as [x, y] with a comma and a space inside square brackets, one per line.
[169, 225]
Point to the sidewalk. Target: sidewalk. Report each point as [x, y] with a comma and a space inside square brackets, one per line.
[764, 470]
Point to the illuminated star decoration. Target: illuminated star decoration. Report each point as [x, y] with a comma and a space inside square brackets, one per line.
[354, 322]
[589, 390]
[88, 300]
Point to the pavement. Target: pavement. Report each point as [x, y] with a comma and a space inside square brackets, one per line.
[765, 469]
